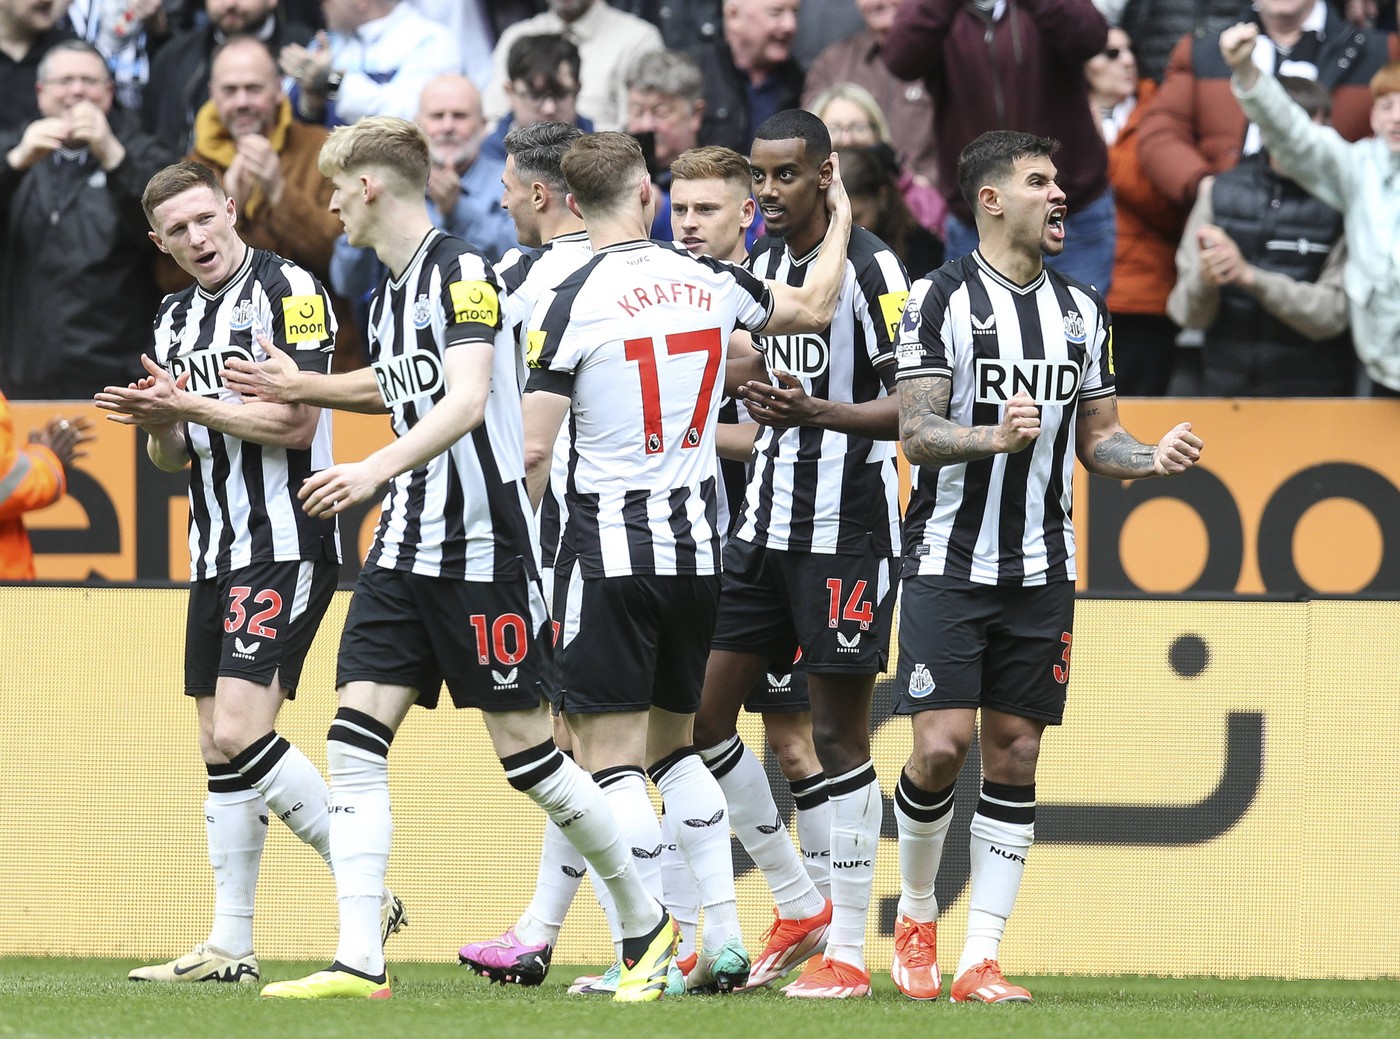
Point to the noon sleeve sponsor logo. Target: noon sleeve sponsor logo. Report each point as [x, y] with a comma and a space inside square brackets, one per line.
[304, 318]
[203, 368]
[474, 301]
[534, 346]
[1045, 381]
[892, 310]
[409, 376]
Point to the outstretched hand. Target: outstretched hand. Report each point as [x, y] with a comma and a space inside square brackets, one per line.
[271, 380]
[64, 437]
[151, 402]
[782, 406]
[1176, 452]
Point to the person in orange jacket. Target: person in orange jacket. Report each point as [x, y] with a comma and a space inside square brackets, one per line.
[32, 476]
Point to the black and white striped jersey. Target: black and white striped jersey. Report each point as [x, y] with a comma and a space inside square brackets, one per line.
[637, 339]
[814, 490]
[1004, 519]
[243, 496]
[463, 514]
[524, 276]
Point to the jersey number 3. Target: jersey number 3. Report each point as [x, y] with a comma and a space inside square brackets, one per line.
[643, 352]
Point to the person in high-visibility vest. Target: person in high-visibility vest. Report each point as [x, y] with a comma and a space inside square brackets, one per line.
[32, 476]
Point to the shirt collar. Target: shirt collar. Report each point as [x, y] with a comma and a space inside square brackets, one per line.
[1316, 21]
[590, 24]
[376, 30]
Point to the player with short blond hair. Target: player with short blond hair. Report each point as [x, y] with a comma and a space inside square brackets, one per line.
[450, 590]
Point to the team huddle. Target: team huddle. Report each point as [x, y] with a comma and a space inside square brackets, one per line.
[634, 488]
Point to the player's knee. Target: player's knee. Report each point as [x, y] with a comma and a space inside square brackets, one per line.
[937, 755]
[711, 729]
[839, 748]
[1012, 759]
[230, 737]
[794, 753]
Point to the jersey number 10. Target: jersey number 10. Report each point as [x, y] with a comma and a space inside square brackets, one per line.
[643, 352]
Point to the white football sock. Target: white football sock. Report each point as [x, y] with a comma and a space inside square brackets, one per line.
[759, 826]
[1003, 830]
[361, 830]
[814, 829]
[923, 820]
[856, 810]
[682, 892]
[560, 873]
[583, 814]
[235, 823]
[294, 789]
[701, 825]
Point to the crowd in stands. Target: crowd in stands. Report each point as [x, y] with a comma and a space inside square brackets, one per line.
[1228, 269]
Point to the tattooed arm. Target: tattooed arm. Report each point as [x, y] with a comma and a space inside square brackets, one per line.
[1106, 448]
[928, 438]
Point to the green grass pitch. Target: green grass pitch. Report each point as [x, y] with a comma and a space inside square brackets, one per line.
[75, 999]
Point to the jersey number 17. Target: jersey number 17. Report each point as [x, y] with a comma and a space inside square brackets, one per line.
[643, 352]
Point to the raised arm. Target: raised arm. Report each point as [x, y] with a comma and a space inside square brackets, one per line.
[1073, 29]
[1317, 157]
[913, 47]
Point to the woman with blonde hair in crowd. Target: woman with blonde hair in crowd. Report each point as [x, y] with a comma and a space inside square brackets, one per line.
[1149, 226]
[854, 120]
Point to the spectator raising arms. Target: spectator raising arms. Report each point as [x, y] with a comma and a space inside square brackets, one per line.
[1355, 177]
[1194, 129]
[377, 58]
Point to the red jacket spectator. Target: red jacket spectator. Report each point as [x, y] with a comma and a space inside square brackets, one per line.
[1149, 225]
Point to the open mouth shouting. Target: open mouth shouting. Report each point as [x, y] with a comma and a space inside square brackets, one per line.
[1055, 223]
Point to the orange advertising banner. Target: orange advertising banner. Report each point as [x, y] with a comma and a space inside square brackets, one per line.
[1291, 497]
